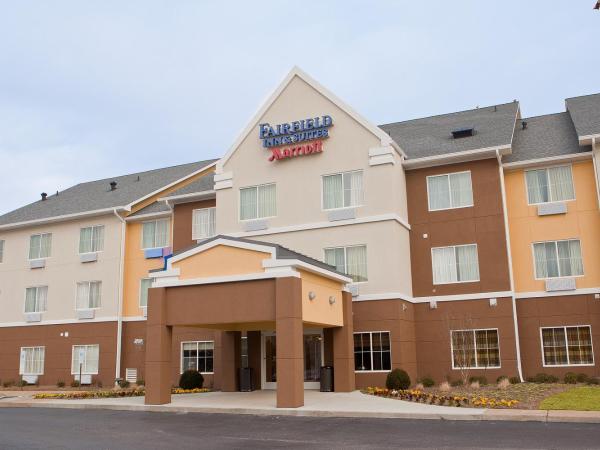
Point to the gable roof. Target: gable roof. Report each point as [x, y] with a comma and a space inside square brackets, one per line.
[545, 136]
[432, 136]
[96, 196]
[297, 72]
[585, 112]
[203, 184]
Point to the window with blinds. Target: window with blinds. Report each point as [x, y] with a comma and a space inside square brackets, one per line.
[40, 246]
[32, 361]
[449, 191]
[155, 234]
[258, 202]
[36, 299]
[86, 355]
[475, 349]
[343, 190]
[553, 184]
[145, 284]
[455, 264]
[349, 260]
[204, 223]
[91, 239]
[89, 294]
[555, 259]
[567, 346]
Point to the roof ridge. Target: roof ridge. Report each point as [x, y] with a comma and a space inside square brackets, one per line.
[581, 96]
[545, 115]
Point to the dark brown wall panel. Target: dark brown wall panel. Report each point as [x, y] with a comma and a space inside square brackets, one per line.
[182, 222]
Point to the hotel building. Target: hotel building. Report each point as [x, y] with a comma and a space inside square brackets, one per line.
[463, 241]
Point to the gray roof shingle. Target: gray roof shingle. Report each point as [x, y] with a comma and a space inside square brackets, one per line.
[156, 207]
[432, 136]
[585, 112]
[545, 136]
[96, 195]
[203, 184]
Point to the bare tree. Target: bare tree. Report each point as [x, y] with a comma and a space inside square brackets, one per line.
[462, 341]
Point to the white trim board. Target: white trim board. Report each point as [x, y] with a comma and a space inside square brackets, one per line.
[547, 161]
[58, 322]
[227, 278]
[538, 294]
[456, 157]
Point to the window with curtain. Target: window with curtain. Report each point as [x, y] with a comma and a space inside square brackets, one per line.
[455, 264]
[155, 234]
[203, 223]
[349, 260]
[567, 346]
[554, 184]
[88, 294]
[145, 284]
[36, 299]
[449, 191]
[343, 190]
[197, 356]
[40, 245]
[90, 355]
[475, 349]
[91, 239]
[555, 259]
[32, 361]
[257, 202]
[372, 351]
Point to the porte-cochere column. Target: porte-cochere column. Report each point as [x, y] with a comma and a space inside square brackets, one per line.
[158, 349]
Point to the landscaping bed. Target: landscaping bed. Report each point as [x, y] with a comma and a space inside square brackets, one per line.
[79, 395]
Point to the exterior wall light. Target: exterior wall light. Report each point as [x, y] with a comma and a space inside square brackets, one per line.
[493, 302]
[331, 300]
[312, 295]
[433, 304]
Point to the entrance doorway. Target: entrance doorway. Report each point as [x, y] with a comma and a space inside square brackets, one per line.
[313, 359]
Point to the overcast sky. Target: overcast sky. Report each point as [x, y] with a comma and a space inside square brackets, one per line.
[90, 90]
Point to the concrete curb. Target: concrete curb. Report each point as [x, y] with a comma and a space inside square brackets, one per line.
[514, 415]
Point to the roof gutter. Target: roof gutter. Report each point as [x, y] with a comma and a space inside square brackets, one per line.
[184, 198]
[456, 157]
[63, 218]
[549, 160]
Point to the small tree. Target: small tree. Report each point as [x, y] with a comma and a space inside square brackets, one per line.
[191, 379]
[463, 344]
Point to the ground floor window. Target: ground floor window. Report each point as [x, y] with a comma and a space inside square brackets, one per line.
[372, 351]
[567, 346]
[86, 355]
[32, 361]
[475, 349]
[197, 356]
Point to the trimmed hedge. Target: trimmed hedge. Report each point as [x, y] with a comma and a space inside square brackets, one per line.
[191, 379]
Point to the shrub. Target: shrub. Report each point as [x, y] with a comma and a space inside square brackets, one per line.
[427, 382]
[22, 383]
[445, 386]
[456, 383]
[514, 380]
[582, 378]
[543, 378]
[8, 383]
[191, 379]
[500, 378]
[397, 379]
[123, 384]
[140, 382]
[480, 379]
[475, 385]
[570, 378]
[75, 384]
[503, 383]
[60, 384]
[593, 381]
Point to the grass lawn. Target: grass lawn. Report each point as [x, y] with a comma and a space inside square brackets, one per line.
[579, 399]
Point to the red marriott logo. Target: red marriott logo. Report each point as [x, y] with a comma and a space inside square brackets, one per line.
[297, 150]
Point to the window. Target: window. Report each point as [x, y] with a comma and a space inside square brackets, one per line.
[145, 284]
[554, 184]
[197, 356]
[456, 264]
[87, 356]
[40, 246]
[449, 191]
[203, 223]
[372, 351]
[555, 259]
[1, 250]
[349, 260]
[32, 361]
[91, 239]
[343, 190]
[475, 349]
[36, 299]
[155, 234]
[258, 202]
[567, 346]
[88, 294]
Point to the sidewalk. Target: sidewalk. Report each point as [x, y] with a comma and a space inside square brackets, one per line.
[318, 404]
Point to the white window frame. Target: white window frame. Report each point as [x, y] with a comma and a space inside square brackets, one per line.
[140, 293]
[256, 186]
[549, 192]
[29, 247]
[103, 237]
[448, 177]
[535, 274]
[77, 291]
[210, 208]
[362, 196]
[33, 347]
[2, 246]
[477, 366]
[195, 342]
[168, 234]
[346, 247]
[564, 327]
[75, 370]
[36, 294]
[370, 333]
[458, 281]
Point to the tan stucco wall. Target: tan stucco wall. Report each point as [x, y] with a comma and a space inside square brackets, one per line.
[62, 272]
[319, 310]
[221, 261]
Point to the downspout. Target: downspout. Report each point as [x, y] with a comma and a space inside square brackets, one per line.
[120, 297]
[510, 266]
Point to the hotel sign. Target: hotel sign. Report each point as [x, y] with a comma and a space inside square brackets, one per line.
[302, 137]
